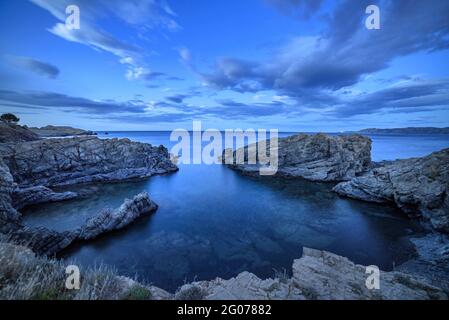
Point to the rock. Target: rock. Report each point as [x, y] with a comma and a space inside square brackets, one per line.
[7, 211]
[317, 275]
[12, 133]
[418, 186]
[317, 157]
[22, 198]
[59, 162]
[247, 286]
[110, 220]
[325, 276]
[60, 131]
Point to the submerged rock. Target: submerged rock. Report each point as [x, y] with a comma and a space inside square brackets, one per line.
[317, 157]
[418, 186]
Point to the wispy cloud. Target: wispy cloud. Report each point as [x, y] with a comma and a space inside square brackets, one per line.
[34, 65]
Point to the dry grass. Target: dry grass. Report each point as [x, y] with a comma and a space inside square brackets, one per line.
[25, 276]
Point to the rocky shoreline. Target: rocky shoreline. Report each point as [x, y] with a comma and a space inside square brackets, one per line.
[31, 170]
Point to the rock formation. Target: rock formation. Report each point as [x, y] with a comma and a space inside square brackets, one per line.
[23, 197]
[318, 275]
[60, 131]
[316, 157]
[13, 133]
[110, 220]
[418, 186]
[58, 162]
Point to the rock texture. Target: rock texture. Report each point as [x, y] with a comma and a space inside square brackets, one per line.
[12, 133]
[418, 186]
[317, 275]
[110, 220]
[316, 157]
[48, 242]
[23, 197]
[58, 162]
[60, 131]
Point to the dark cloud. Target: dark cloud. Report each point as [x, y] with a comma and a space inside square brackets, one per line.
[36, 66]
[177, 98]
[344, 53]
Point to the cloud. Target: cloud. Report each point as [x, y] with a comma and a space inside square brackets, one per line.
[413, 96]
[344, 53]
[36, 66]
[144, 15]
[178, 98]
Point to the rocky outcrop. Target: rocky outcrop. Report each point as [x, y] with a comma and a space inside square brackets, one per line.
[110, 220]
[23, 197]
[12, 133]
[317, 275]
[317, 157]
[7, 211]
[418, 186]
[60, 131]
[58, 162]
[48, 242]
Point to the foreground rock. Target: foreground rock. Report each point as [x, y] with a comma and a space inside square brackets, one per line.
[317, 157]
[58, 162]
[12, 133]
[317, 275]
[23, 197]
[418, 186]
[49, 242]
[60, 131]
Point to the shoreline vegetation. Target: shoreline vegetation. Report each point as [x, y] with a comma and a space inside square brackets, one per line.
[31, 166]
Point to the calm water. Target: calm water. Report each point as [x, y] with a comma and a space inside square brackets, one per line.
[214, 222]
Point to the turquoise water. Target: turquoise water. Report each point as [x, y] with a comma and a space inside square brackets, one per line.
[213, 222]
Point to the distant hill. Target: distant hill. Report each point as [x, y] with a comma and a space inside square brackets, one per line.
[60, 131]
[410, 130]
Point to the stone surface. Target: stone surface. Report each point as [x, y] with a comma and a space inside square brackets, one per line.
[23, 197]
[110, 220]
[48, 242]
[60, 131]
[317, 275]
[418, 186]
[12, 133]
[58, 162]
[7, 211]
[317, 157]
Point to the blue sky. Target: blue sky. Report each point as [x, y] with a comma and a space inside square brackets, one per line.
[295, 65]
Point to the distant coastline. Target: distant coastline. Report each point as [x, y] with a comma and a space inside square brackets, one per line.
[409, 130]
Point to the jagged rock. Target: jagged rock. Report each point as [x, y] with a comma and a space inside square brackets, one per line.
[418, 186]
[316, 275]
[58, 162]
[246, 286]
[326, 276]
[13, 133]
[22, 198]
[60, 131]
[316, 157]
[7, 211]
[110, 220]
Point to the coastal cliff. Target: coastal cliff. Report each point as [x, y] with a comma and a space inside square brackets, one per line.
[317, 157]
[418, 186]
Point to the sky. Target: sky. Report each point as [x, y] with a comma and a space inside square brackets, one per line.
[292, 65]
